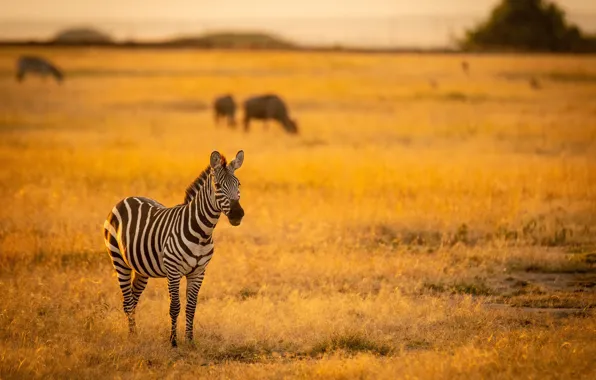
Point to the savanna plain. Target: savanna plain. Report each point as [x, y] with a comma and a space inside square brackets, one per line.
[425, 223]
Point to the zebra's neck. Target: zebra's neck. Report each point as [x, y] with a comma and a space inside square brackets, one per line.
[204, 212]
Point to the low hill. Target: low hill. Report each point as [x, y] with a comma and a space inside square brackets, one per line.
[234, 40]
[82, 36]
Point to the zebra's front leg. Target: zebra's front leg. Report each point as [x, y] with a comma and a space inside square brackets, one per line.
[174, 291]
[193, 286]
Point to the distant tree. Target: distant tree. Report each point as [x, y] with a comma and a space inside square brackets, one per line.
[529, 25]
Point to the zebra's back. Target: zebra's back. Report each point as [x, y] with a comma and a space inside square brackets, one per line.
[135, 232]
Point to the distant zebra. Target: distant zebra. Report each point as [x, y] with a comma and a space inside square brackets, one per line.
[37, 65]
[146, 239]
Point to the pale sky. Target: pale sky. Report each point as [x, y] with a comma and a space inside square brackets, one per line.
[189, 9]
[422, 23]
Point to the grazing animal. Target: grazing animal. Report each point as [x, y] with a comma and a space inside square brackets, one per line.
[268, 107]
[225, 106]
[146, 239]
[535, 84]
[465, 66]
[434, 84]
[37, 65]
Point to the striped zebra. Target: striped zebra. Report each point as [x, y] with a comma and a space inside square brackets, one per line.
[146, 239]
[33, 64]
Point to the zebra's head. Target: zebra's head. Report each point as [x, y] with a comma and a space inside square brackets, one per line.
[227, 186]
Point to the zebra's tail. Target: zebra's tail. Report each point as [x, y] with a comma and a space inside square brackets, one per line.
[110, 235]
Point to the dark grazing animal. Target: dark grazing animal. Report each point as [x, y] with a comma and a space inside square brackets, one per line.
[434, 84]
[225, 106]
[268, 107]
[146, 239]
[37, 65]
[465, 66]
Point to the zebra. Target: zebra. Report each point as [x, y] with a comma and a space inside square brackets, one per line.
[34, 64]
[146, 239]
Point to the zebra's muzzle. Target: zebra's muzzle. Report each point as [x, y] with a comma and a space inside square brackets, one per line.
[236, 213]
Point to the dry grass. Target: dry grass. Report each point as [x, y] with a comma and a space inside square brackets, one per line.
[372, 241]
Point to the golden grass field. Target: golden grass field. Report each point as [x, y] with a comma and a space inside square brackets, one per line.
[407, 232]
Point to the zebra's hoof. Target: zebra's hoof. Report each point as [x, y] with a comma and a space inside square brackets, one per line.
[174, 344]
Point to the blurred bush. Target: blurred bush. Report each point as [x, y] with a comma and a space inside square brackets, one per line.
[528, 25]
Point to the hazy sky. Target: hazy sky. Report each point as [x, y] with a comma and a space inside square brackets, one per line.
[189, 9]
[379, 22]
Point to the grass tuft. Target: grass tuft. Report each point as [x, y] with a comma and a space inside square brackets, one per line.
[351, 342]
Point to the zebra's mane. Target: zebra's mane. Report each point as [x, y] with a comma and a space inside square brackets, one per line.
[193, 189]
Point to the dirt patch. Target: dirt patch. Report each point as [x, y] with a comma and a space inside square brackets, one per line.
[545, 291]
[556, 281]
[562, 312]
[555, 301]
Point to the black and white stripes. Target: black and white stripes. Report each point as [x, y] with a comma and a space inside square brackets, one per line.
[146, 239]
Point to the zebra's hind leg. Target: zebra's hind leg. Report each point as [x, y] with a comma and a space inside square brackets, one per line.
[128, 303]
[123, 272]
[139, 282]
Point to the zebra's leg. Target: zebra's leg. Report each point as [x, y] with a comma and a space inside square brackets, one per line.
[139, 282]
[193, 286]
[174, 291]
[123, 272]
[128, 303]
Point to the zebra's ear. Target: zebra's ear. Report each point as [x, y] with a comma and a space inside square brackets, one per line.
[215, 159]
[237, 162]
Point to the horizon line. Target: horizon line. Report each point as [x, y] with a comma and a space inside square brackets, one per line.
[302, 17]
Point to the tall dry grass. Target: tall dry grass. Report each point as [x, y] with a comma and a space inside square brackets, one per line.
[374, 244]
